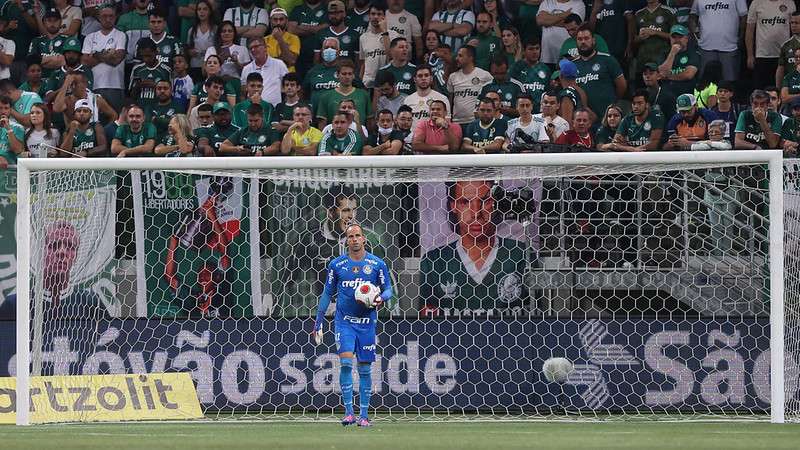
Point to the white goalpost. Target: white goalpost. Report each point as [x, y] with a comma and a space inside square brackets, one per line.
[666, 280]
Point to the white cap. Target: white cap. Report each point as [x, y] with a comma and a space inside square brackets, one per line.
[83, 103]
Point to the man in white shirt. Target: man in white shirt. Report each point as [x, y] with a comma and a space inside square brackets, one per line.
[526, 128]
[91, 12]
[553, 123]
[272, 70]
[767, 29]
[551, 18]
[420, 101]
[250, 20]
[465, 86]
[7, 50]
[404, 24]
[374, 45]
[720, 24]
[104, 52]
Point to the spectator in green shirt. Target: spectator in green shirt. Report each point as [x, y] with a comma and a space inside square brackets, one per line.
[758, 127]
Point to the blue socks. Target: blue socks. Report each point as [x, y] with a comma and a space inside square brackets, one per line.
[346, 383]
[364, 388]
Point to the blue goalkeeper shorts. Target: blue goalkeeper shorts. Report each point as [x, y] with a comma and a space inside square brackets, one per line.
[358, 338]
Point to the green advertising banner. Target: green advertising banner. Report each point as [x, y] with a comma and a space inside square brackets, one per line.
[196, 245]
[8, 238]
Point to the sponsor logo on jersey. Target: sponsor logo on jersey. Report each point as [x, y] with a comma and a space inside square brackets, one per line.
[403, 86]
[351, 319]
[368, 348]
[777, 20]
[466, 93]
[509, 289]
[606, 13]
[587, 78]
[375, 53]
[755, 137]
[353, 283]
[717, 6]
[449, 290]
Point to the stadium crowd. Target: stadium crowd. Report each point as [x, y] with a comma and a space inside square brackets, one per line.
[102, 78]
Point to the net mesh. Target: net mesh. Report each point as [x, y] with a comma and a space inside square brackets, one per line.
[652, 281]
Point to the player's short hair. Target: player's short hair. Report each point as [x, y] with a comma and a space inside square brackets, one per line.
[254, 76]
[291, 76]
[345, 63]
[573, 18]
[499, 61]
[215, 79]
[158, 12]
[579, 110]
[145, 43]
[205, 107]
[404, 108]
[444, 105]
[347, 114]
[585, 27]
[759, 94]
[470, 51]
[301, 106]
[255, 110]
[486, 99]
[353, 224]
[550, 93]
[531, 41]
[386, 111]
[396, 41]
[641, 93]
[452, 218]
[423, 67]
[527, 97]
[384, 77]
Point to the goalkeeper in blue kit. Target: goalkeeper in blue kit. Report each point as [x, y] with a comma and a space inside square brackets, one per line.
[355, 322]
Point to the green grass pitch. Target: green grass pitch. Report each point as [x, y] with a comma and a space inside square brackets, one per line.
[405, 435]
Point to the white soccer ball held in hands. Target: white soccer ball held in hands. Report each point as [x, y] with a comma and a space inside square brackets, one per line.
[368, 294]
[557, 370]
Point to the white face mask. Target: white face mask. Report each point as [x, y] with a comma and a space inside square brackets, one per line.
[384, 131]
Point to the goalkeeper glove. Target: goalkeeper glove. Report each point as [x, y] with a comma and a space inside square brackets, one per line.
[316, 333]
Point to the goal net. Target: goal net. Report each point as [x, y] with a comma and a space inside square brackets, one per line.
[658, 277]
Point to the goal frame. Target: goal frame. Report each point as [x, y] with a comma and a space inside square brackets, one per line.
[774, 158]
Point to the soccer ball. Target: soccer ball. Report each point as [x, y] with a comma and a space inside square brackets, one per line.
[556, 370]
[366, 293]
